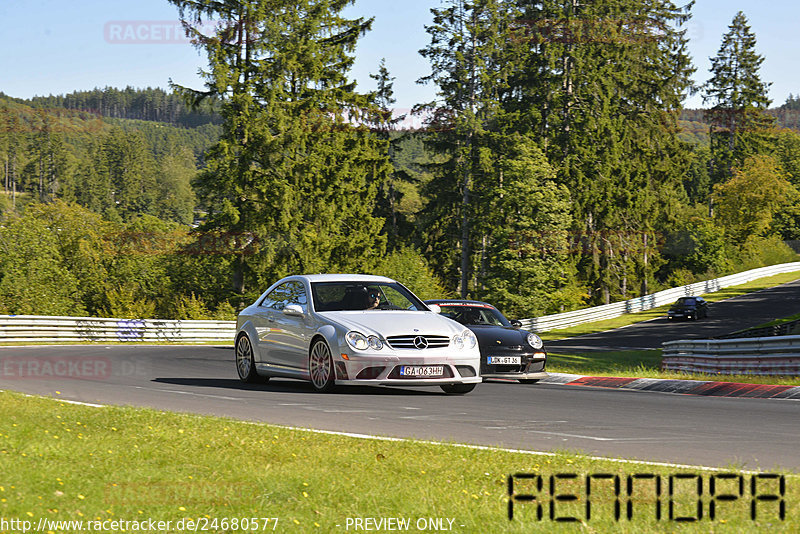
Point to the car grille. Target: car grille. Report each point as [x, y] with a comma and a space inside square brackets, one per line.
[527, 365]
[410, 342]
[505, 368]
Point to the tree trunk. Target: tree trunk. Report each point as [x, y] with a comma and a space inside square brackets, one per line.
[465, 224]
[645, 259]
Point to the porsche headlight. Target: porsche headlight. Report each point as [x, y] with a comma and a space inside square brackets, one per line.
[535, 341]
[359, 341]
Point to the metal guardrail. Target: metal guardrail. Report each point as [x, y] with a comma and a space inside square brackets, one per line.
[756, 356]
[647, 302]
[784, 329]
[27, 328]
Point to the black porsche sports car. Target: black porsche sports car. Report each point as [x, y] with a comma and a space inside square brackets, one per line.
[507, 351]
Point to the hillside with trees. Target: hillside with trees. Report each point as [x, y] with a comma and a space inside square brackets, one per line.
[557, 167]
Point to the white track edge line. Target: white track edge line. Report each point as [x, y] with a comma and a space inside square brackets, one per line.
[441, 443]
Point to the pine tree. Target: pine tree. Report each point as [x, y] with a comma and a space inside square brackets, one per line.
[292, 168]
[47, 167]
[528, 267]
[131, 170]
[469, 65]
[384, 124]
[738, 97]
[93, 182]
[601, 89]
[175, 199]
[6, 147]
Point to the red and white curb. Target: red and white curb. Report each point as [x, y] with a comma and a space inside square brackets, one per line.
[686, 387]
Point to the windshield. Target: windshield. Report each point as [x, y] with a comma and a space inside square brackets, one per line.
[686, 301]
[339, 296]
[473, 314]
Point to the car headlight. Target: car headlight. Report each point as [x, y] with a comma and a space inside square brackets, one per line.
[469, 339]
[359, 341]
[465, 339]
[535, 341]
[375, 343]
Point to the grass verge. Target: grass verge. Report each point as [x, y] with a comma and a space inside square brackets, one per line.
[644, 364]
[632, 318]
[69, 462]
[778, 322]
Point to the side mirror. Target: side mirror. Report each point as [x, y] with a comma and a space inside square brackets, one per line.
[293, 309]
[516, 324]
[435, 308]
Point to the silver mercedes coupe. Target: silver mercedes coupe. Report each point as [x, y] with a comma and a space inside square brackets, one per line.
[339, 329]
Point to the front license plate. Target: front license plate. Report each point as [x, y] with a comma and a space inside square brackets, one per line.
[504, 360]
[421, 371]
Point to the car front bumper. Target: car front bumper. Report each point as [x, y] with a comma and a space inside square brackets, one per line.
[385, 369]
[531, 366]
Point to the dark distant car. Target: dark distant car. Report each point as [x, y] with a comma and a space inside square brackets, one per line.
[688, 308]
[507, 351]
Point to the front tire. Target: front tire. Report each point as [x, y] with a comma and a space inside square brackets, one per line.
[457, 389]
[245, 362]
[320, 367]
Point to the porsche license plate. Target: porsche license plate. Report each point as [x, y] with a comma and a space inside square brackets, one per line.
[422, 370]
[504, 360]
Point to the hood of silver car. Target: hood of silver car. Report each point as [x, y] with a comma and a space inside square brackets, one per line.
[394, 323]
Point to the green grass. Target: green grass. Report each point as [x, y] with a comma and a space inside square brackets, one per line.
[68, 462]
[777, 322]
[644, 364]
[632, 318]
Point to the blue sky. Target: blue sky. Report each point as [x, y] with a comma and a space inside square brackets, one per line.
[50, 46]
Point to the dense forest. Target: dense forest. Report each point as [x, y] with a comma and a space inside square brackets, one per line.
[557, 168]
[130, 103]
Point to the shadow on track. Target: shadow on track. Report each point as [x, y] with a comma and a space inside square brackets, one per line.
[296, 386]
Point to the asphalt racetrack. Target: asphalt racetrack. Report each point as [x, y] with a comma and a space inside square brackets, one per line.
[724, 317]
[684, 429]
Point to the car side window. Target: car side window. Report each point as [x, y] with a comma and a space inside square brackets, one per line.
[297, 294]
[285, 294]
[396, 299]
[267, 301]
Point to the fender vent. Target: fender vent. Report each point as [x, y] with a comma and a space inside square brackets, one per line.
[465, 370]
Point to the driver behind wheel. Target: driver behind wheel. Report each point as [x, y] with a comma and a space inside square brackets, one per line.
[372, 300]
[472, 316]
